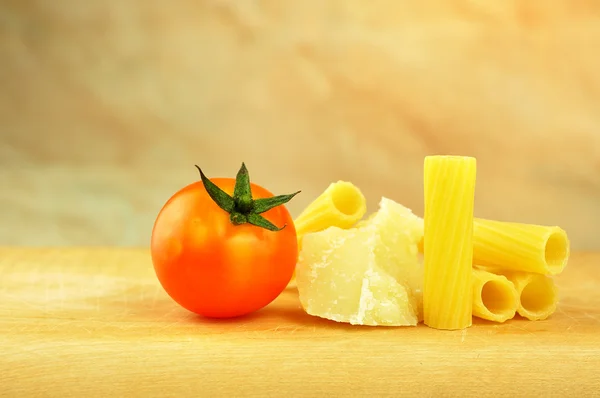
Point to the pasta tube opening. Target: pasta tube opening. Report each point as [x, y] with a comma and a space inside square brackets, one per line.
[538, 298]
[495, 298]
[556, 251]
[347, 199]
[499, 298]
[341, 205]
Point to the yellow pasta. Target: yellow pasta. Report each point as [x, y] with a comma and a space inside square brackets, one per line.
[520, 247]
[341, 205]
[538, 295]
[495, 297]
[449, 184]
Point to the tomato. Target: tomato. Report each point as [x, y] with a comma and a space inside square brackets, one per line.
[224, 247]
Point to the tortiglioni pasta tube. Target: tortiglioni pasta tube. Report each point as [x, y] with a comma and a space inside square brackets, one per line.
[494, 296]
[341, 205]
[538, 295]
[449, 184]
[520, 247]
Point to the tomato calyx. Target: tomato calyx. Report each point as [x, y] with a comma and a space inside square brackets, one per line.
[242, 208]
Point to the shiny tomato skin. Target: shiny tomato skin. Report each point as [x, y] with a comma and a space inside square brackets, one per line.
[214, 268]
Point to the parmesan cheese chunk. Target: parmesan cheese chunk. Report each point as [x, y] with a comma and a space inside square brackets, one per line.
[367, 275]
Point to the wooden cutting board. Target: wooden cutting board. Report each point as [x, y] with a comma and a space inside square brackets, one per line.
[96, 323]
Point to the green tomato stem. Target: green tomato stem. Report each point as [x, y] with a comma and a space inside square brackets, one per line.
[241, 207]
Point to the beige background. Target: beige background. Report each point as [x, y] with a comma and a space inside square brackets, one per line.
[106, 105]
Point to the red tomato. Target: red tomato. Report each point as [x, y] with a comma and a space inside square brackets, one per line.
[217, 269]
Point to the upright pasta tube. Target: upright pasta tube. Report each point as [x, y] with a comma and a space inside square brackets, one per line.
[341, 205]
[495, 298]
[449, 184]
[520, 247]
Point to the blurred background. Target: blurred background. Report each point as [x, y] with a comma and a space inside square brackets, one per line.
[106, 105]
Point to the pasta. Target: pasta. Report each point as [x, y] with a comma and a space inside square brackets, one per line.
[341, 205]
[538, 295]
[449, 183]
[520, 247]
[495, 297]
[471, 266]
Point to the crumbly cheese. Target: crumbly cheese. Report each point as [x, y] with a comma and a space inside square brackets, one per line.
[368, 275]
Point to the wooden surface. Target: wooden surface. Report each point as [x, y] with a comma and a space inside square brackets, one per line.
[106, 105]
[95, 323]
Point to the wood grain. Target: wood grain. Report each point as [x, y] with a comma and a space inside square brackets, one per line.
[106, 106]
[95, 323]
